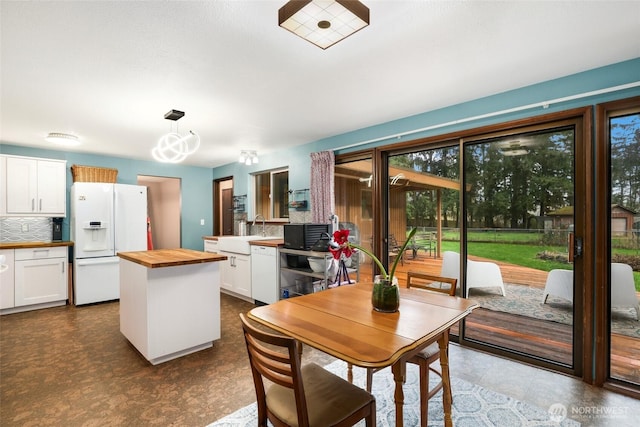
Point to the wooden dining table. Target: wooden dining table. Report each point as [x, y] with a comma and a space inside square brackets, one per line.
[341, 322]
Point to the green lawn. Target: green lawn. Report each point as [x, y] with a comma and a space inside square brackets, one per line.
[520, 254]
[520, 248]
[524, 255]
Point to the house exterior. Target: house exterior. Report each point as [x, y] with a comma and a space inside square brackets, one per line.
[622, 219]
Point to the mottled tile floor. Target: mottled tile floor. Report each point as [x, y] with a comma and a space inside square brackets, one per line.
[71, 366]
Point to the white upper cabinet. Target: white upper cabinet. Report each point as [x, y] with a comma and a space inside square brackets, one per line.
[34, 187]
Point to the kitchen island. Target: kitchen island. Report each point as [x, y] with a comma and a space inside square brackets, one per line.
[170, 301]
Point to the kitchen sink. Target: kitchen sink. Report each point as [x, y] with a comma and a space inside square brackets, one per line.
[240, 244]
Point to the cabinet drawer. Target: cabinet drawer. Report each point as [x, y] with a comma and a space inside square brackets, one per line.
[263, 250]
[211, 246]
[40, 253]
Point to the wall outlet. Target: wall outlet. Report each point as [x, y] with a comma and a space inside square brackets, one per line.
[202, 222]
[25, 228]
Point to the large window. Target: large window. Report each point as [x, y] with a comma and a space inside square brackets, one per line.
[272, 194]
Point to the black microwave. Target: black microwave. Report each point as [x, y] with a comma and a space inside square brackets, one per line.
[303, 236]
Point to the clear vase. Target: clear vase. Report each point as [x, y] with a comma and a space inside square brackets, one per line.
[385, 296]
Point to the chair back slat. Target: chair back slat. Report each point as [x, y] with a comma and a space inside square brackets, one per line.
[276, 358]
[431, 283]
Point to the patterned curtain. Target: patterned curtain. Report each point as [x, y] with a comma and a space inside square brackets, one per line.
[322, 194]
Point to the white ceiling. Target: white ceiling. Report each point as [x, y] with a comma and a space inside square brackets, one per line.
[108, 71]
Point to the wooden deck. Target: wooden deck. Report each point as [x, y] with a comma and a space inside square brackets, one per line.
[511, 273]
[521, 334]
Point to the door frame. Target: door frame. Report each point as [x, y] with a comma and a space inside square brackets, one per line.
[602, 254]
[584, 340]
[218, 208]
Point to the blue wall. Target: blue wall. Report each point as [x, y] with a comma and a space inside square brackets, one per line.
[299, 161]
[196, 184]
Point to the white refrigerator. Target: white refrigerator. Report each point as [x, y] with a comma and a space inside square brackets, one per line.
[105, 219]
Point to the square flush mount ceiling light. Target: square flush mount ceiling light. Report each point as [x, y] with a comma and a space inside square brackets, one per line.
[323, 22]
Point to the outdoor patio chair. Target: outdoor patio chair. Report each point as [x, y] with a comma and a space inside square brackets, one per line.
[394, 249]
[300, 395]
[623, 289]
[559, 283]
[480, 274]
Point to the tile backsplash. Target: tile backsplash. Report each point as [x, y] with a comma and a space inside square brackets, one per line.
[25, 229]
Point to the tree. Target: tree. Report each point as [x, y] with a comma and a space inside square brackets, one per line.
[625, 161]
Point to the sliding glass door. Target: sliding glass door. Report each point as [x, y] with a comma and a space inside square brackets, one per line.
[519, 221]
[504, 213]
[424, 193]
[620, 138]
[354, 206]
[512, 211]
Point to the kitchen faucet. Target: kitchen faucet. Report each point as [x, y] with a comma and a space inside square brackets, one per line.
[335, 223]
[264, 233]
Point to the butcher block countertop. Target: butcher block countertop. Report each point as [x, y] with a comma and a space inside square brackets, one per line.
[26, 245]
[170, 257]
[273, 243]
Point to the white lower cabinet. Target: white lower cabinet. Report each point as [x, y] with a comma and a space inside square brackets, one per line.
[265, 272]
[40, 275]
[235, 273]
[7, 275]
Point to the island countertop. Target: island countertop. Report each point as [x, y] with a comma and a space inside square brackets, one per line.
[170, 257]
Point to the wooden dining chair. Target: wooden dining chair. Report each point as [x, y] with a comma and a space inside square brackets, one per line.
[429, 355]
[300, 395]
[432, 283]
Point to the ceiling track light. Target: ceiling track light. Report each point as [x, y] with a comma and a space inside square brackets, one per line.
[172, 147]
[248, 157]
[323, 22]
[66, 139]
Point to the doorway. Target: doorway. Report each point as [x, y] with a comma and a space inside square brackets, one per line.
[520, 218]
[163, 209]
[223, 207]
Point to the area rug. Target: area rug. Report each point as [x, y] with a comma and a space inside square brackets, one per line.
[473, 406]
[527, 301]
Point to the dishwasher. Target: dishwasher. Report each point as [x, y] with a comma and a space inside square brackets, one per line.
[265, 269]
